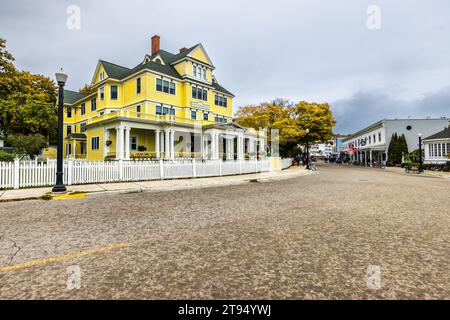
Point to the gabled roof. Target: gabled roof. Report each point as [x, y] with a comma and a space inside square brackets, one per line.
[444, 134]
[186, 52]
[219, 88]
[166, 69]
[73, 96]
[114, 70]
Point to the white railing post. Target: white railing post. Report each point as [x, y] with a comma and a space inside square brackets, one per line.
[69, 172]
[240, 166]
[120, 170]
[220, 167]
[194, 171]
[256, 165]
[161, 169]
[16, 173]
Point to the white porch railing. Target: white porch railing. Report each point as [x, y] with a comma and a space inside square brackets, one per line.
[21, 174]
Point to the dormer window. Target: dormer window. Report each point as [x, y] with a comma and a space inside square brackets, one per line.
[199, 71]
[102, 75]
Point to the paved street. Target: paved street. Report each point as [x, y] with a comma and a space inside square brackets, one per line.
[308, 237]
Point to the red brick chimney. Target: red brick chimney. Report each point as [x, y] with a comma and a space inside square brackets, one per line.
[183, 49]
[155, 43]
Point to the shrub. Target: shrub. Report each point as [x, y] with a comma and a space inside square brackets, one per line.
[142, 148]
[447, 166]
[6, 156]
[27, 145]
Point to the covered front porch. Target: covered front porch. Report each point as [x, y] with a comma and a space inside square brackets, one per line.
[127, 140]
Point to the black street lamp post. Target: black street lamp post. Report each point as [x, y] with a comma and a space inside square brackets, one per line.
[307, 149]
[420, 153]
[59, 186]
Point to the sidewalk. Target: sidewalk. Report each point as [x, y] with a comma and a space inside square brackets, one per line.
[158, 185]
[429, 173]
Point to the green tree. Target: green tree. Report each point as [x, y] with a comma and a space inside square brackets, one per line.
[397, 148]
[291, 120]
[27, 101]
[27, 145]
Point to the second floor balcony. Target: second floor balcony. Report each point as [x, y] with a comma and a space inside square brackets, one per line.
[122, 114]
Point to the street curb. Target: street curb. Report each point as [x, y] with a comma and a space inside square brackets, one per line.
[83, 194]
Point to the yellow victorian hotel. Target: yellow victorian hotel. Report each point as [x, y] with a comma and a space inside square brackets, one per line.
[168, 106]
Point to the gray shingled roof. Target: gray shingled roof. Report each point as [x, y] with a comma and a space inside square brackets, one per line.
[444, 134]
[114, 70]
[72, 96]
[118, 72]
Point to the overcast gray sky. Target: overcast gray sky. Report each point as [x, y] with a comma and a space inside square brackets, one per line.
[315, 50]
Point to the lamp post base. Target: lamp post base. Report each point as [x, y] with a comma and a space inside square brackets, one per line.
[59, 188]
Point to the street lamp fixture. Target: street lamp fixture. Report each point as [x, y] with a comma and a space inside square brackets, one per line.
[420, 153]
[59, 186]
[307, 149]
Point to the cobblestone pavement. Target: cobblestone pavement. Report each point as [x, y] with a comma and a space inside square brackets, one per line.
[308, 237]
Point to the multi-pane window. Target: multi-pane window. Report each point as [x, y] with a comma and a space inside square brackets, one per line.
[165, 86]
[69, 112]
[205, 116]
[138, 85]
[93, 104]
[199, 72]
[138, 108]
[220, 119]
[134, 143]
[160, 110]
[114, 92]
[379, 136]
[68, 130]
[102, 93]
[374, 139]
[95, 143]
[82, 127]
[83, 108]
[220, 101]
[193, 115]
[102, 75]
[199, 93]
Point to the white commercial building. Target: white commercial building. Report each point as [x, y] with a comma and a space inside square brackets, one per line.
[437, 147]
[322, 149]
[371, 144]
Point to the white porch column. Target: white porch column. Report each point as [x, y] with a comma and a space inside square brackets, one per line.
[240, 147]
[214, 145]
[263, 146]
[172, 144]
[166, 144]
[251, 146]
[229, 146]
[119, 143]
[105, 147]
[371, 157]
[127, 143]
[157, 151]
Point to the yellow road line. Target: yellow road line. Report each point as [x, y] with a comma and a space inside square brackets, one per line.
[69, 256]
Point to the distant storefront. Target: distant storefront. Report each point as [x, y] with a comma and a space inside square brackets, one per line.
[371, 144]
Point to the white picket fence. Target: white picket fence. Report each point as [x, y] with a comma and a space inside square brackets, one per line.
[22, 174]
[286, 163]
